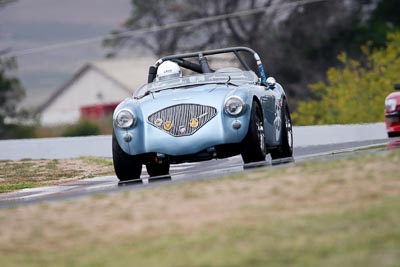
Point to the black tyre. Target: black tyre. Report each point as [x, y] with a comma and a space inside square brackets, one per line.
[393, 134]
[285, 150]
[253, 146]
[157, 169]
[127, 167]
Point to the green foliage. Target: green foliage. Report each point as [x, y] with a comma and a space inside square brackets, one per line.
[16, 131]
[11, 93]
[82, 128]
[383, 19]
[5, 2]
[354, 93]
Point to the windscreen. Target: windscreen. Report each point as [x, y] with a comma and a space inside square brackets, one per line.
[225, 75]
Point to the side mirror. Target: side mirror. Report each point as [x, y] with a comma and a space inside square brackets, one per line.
[271, 82]
[397, 86]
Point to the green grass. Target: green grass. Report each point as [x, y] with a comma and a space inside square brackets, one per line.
[97, 161]
[12, 186]
[28, 173]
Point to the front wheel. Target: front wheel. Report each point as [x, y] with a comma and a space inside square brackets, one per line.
[285, 150]
[127, 167]
[158, 169]
[253, 146]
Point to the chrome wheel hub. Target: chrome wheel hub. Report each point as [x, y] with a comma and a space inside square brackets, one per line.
[289, 130]
[260, 133]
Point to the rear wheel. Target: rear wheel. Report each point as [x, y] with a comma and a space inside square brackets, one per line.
[285, 150]
[253, 149]
[127, 167]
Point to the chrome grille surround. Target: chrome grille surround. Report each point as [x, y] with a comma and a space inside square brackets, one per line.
[182, 119]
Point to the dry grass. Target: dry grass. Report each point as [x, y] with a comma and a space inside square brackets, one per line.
[324, 213]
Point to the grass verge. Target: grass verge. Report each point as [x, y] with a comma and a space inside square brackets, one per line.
[15, 175]
[334, 213]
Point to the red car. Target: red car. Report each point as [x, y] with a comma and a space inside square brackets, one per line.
[392, 113]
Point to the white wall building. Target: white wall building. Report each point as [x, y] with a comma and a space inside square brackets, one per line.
[107, 81]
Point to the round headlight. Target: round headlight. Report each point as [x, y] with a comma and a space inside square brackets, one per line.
[125, 119]
[390, 104]
[234, 106]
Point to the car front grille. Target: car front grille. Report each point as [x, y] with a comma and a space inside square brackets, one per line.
[182, 119]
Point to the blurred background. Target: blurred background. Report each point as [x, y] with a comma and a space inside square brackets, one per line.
[65, 65]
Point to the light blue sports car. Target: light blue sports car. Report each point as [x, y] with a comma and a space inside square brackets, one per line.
[201, 106]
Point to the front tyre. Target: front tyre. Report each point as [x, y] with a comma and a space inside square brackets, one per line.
[285, 150]
[127, 167]
[253, 146]
[158, 169]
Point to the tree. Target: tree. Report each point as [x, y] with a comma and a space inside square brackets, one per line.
[375, 27]
[355, 92]
[11, 93]
[297, 42]
[5, 2]
[152, 13]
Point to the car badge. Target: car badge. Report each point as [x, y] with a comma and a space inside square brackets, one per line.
[158, 122]
[168, 125]
[182, 129]
[194, 122]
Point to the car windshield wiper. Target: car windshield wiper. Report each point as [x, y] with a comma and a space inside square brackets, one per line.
[155, 91]
[228, 82]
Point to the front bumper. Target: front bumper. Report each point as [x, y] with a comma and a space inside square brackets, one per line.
[146, 138]
[392, 121]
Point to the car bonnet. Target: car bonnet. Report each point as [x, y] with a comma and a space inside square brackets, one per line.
[210, 94]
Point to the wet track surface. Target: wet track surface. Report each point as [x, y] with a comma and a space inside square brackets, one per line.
[179, 173]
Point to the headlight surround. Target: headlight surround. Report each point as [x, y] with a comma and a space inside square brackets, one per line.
[390, 104]
[234, 106]
[125, 119]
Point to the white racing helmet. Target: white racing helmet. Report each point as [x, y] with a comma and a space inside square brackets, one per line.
[167, 70]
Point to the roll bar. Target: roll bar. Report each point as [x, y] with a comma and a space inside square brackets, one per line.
[202, 67]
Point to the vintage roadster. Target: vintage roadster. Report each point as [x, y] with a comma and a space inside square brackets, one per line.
[194, 108]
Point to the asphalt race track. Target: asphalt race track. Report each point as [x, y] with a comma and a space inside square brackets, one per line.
[179, 173]
[100, 146]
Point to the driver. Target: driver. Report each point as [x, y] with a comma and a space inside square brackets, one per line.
[168, 70]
